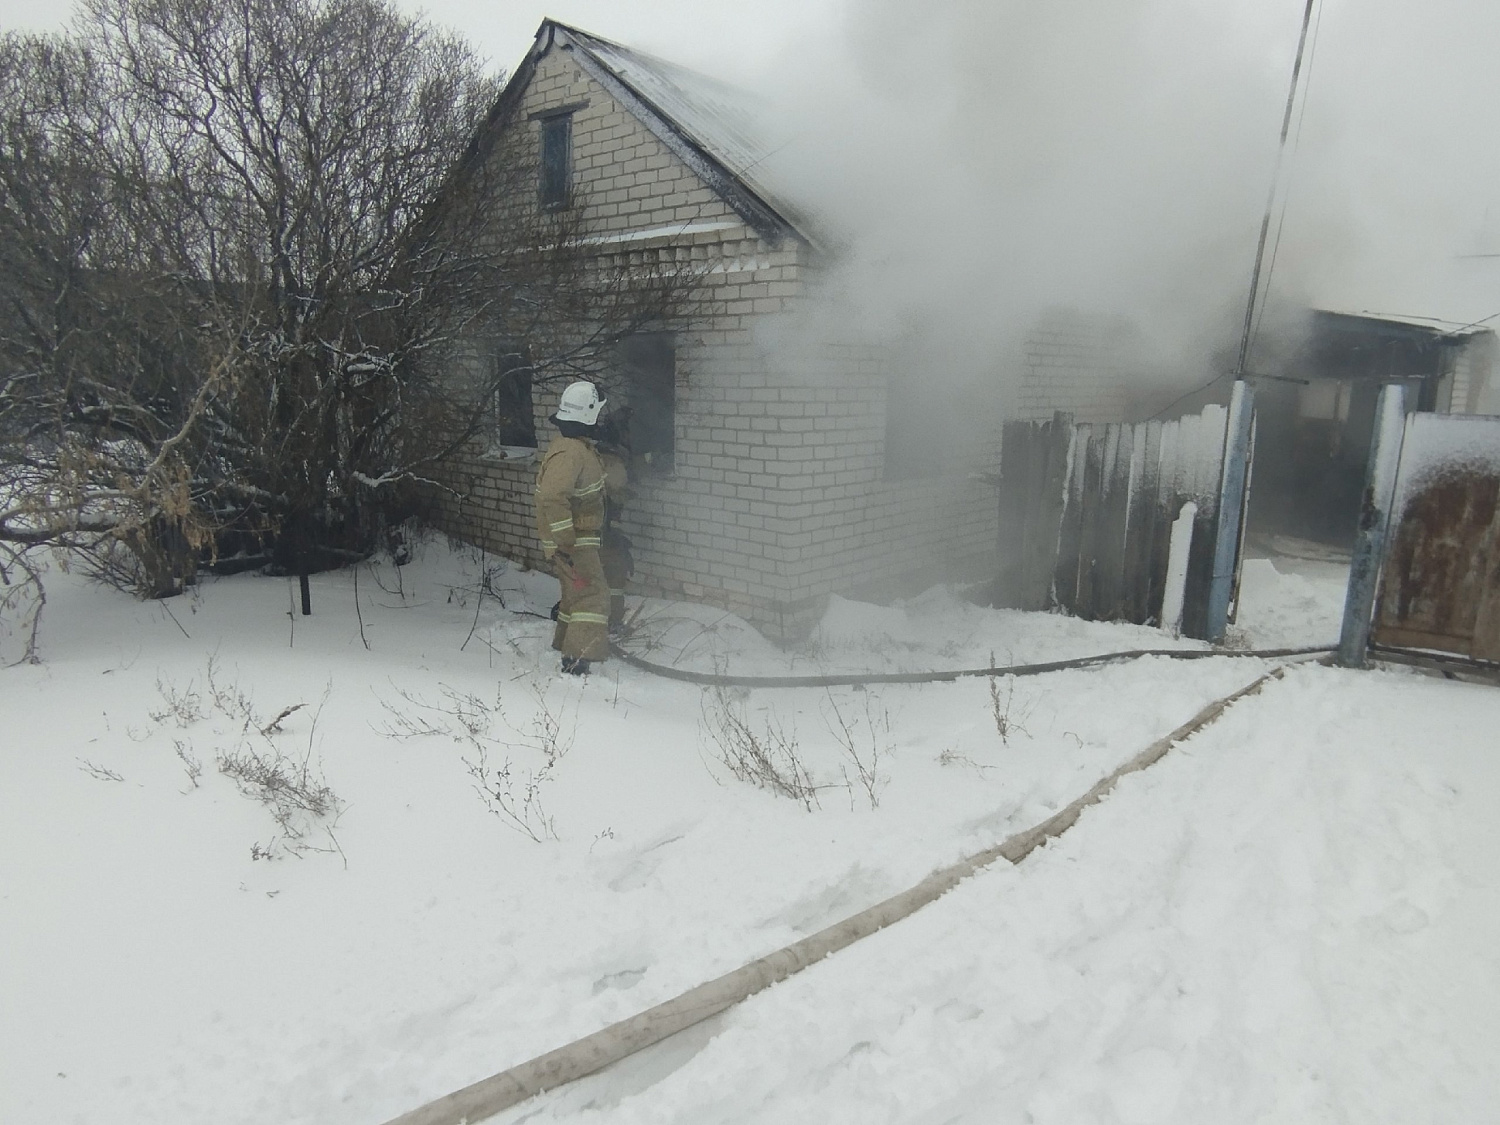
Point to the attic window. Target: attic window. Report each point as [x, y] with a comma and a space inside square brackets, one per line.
[557, 160]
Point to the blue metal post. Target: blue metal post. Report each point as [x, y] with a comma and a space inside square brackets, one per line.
[1374, 516]
[1228, 520]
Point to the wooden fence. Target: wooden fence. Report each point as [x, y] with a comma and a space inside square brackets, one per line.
[1086, 515]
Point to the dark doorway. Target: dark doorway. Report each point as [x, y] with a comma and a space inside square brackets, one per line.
[1316, 414]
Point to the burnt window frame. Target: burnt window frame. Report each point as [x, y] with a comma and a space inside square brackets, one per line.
[650, 392]
[511, 383]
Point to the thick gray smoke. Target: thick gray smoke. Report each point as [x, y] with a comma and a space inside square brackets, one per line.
[1397, 183]
[980, 161]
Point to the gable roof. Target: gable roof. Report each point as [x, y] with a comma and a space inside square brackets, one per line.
[711, 126]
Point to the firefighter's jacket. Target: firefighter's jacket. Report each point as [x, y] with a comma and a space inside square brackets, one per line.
[569, 496]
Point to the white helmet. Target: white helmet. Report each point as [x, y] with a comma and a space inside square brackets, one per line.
[580, 403]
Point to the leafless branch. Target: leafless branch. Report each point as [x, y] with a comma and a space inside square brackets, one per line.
[768, 757]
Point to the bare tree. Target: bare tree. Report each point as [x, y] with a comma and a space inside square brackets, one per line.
[291, 147]
[243, 243]
[104, 375]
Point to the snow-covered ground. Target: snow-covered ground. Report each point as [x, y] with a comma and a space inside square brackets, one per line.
[1293, 917]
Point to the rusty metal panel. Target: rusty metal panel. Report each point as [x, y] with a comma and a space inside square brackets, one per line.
[1486, 643]
[1440, 582]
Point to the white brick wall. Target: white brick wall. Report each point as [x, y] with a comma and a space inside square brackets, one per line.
[1078, 364]
[1473, 371]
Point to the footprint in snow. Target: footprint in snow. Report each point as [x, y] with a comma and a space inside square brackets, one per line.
[625, 978]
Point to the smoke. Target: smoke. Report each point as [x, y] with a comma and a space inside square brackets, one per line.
[977, 162]
[1397, 182]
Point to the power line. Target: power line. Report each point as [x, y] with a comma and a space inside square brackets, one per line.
[1312, 58]
[1191, 393]
[1265, 222]
[1472, 324]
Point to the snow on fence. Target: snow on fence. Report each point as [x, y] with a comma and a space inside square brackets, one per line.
[1086, 516]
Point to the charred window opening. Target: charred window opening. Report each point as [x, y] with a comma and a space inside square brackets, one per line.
[513, 417]
[557, 161]
[1325, 400]
[648, 368]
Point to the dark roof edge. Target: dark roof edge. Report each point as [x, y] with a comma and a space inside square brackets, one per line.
[1438, 331]
[757, 213]
[482, 142]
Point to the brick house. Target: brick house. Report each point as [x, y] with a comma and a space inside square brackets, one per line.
[773, 476]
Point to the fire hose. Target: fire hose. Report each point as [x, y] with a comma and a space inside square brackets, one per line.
[594, 1052]
[859, 679]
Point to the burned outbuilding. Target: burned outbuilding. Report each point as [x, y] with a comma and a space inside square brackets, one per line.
[1316, 410]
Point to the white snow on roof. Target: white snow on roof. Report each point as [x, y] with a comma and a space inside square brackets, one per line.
[729, 123]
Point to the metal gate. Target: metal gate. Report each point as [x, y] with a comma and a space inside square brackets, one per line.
[1426, 571]
[1440, 582]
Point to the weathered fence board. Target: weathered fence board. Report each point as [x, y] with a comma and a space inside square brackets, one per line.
[1048, 508]
[1140, 521]
[1089, 500]
[1109, 573]
[1063, 582]
[1159, 532]
[1026, 567]
[1086, 515]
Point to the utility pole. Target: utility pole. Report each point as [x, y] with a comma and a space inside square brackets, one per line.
[1239, 430]
[1265, 223]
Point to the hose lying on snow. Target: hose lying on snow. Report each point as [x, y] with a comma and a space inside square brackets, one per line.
[856, 679]
[593, 1053]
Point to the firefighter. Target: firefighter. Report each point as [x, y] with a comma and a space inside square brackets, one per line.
[614, 552]
[570, 519]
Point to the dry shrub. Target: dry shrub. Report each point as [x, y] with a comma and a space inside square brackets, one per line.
[1008, 718]
[769, 758]
[865, 741]
[512, 792]
[255, 752]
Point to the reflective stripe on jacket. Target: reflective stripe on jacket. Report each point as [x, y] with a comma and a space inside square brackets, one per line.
[569, 496]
